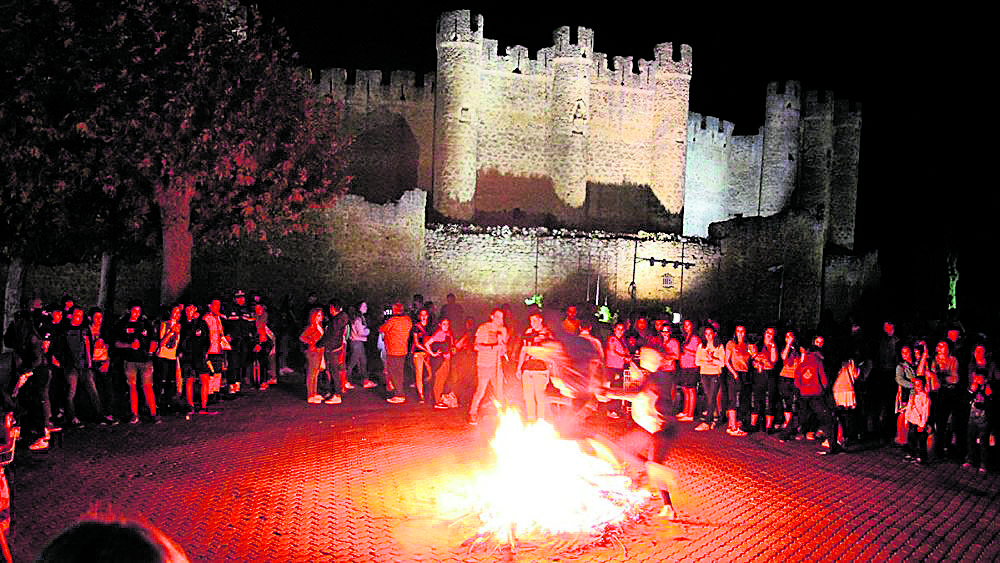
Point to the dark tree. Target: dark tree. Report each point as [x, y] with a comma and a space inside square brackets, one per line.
[188, 118]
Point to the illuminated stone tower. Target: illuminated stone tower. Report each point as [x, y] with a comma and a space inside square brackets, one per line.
[844, 182]
[780, 160]
[456, 110]
[813, 191]
[673, 88]
[569, 114]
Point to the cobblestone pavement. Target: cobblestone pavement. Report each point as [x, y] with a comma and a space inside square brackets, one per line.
[272, 478]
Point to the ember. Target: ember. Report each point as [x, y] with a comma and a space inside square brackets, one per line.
[544, 485]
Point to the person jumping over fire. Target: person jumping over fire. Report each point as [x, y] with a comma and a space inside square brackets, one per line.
[647, 444]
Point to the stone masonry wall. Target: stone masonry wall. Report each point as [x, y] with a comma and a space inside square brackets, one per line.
[509, 264]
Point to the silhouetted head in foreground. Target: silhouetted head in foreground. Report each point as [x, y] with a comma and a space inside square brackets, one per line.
[111, 539]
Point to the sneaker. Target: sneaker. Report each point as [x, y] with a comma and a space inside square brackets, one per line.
[982, 470]
[334, 400]
[315, 400]
[396, 400]
[684, 418]
[207, 412]
[701, 427]
[440, 406]
[966, 465]
[109, 421]
[155, 419]
[450, 400]
[810, 436]
[614, 415]
[348, 385]
[287, 371]
[40, 444]
[134, 419]
[263, 386]
[368, 384]
[735, 432]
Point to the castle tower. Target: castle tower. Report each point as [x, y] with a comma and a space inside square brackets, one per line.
[782, 115]
[844, 183]
[673, 87]
[569, 114]
[456, 106]
[813, 190]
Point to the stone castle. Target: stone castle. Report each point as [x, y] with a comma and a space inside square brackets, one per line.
[595, 145]
[581, 142]
[586, 177]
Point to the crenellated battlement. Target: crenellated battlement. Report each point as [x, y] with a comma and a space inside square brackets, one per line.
[584, 46]
[818, 103]
[709, 130]
[605, 71]
[664, 56]
[367, 86]
[787, 88]
[458, 26]
[846, 111]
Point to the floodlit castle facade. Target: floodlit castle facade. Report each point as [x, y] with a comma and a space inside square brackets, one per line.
[575, 139]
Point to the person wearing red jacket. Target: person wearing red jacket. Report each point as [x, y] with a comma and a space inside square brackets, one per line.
[812, 383]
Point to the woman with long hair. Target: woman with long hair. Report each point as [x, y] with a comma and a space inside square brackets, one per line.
[314, 356]
[790, 357]
[764, 393]
[688, 372]
[418, 350]
[711, 360]
[738, 384]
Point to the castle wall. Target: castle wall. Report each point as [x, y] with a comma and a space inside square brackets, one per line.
[508, 264]
[539, 131]
[790, 244]
[707, 179]
[781, 138]
[393, 129]
[844, 180]
[846, 280]
[743, 192]
[812, 192]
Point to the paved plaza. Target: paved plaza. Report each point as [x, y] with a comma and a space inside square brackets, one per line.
[272, 478]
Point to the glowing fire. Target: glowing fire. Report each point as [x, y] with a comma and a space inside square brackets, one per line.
[543, 483]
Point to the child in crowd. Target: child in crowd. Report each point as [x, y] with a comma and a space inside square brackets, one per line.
[918, 410]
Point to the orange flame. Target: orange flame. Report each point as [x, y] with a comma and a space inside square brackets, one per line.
[544, 483]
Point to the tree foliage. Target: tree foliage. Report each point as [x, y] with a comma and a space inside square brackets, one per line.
[184, 118]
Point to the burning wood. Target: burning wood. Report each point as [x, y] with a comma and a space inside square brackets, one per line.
[546, 493]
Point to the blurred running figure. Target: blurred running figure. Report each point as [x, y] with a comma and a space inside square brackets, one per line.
[647, 444]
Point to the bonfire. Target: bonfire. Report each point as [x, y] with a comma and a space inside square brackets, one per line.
[549, 492]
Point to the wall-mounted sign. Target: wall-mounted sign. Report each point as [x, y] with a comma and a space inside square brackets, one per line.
[668, 281]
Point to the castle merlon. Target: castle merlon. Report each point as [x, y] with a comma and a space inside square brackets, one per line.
[458, 26]
[818, 104]
[564, 47]
[789, 88]
[664, 56]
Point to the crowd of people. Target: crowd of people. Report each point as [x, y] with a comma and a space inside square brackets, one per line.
[838, 388]
[929, 392]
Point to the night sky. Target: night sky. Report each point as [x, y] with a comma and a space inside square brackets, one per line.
[922, 190]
